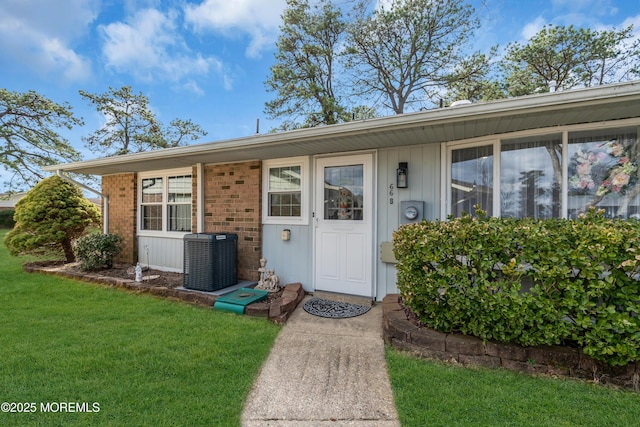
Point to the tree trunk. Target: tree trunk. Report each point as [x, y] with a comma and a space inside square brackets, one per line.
[67, 247]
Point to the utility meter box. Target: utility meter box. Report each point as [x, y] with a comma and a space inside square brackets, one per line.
[411, 211]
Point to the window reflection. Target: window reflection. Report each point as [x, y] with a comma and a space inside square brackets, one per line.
[600, 170]
[343, 193]
[180, 189]
[530, 177]
[152, 190]
[285, 191]
[174, 209]
[472, 180]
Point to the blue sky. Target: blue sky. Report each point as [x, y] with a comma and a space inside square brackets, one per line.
[206, 60]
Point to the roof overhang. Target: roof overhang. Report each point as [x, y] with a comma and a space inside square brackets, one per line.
[601, 103]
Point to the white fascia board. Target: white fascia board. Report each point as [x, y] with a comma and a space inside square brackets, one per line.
[531, 103]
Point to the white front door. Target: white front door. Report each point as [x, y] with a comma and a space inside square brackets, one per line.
[344, 218]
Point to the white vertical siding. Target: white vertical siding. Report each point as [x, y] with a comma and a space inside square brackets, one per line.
[292, 260]
[161, 253]
[424, 184]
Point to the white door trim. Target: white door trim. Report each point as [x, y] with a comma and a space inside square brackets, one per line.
[345, 233]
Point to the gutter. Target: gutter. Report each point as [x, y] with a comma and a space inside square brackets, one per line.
[570, 99]
[105, 198]
[200, 197]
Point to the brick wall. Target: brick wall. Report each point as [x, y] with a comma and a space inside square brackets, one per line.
[122, 190]
[232, 204]
[232, 200]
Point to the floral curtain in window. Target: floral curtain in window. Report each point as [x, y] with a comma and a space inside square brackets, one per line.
[603, 172]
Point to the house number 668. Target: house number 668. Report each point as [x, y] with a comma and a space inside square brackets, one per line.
[391, 194]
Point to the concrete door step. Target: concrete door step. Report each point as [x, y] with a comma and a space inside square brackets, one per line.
[352, 299]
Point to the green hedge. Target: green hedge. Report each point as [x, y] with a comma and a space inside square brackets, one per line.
[526, 281]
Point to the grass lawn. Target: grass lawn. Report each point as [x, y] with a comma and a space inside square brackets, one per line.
[148, 361]
[142, 360]
[429, 393]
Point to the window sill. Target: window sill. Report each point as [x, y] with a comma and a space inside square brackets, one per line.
[164, 234]
[285, 221]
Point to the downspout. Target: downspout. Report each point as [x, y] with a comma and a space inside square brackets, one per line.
[105, 198]
[200, 198]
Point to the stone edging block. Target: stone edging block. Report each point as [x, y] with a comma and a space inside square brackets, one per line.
[277, 311]
[468, 350]
[280, 310]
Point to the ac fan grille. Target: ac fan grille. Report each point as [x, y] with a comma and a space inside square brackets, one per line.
[210, 261]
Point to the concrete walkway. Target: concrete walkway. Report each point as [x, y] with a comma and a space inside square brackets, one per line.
[324, 372]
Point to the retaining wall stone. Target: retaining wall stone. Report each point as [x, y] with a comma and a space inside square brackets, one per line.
[278, 310]
[402, 334]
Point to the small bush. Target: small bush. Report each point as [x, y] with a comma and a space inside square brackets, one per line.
[6, 218]
[96, 251]
[531, 282]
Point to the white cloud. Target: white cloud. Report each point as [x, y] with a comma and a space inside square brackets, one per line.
[39, 35]
[631, 20]
[72, 66]
[380, 4]
[533, 27]
[258, 19]
[149, 46]
[593, 14]
[597, 15]
[193, 87]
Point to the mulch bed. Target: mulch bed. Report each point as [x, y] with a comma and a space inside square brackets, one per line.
[161, 283]
[121, 271]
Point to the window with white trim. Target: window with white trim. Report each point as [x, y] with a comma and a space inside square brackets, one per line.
[553, 175]
[531, 177]
[151, 206]
[285, 191]
[165, 202]
[471, 179]
[179, 203]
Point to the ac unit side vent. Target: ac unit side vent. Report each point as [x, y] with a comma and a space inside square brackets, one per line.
[210, 261]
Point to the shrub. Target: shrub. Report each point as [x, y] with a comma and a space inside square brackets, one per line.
[96, 251]
[6, 218]
[527, 281]
[50, 217]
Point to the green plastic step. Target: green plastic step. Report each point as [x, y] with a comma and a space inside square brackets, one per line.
[236, 301]
[232, 308]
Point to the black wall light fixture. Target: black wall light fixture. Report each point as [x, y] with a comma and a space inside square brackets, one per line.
[402, 175]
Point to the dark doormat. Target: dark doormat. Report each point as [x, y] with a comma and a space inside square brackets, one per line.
[334, 309]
